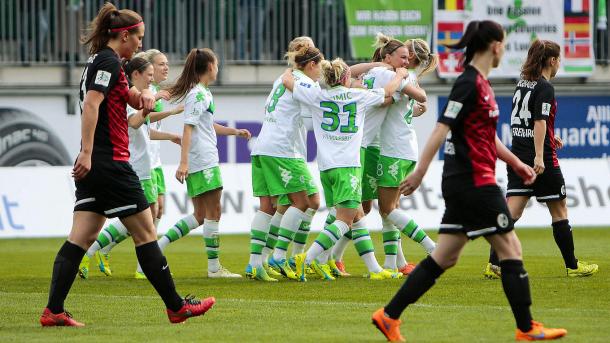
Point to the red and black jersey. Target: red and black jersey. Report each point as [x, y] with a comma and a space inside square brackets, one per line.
[470, 149]
[103, 73]
[533, 100]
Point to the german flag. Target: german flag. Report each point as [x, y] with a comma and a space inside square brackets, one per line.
[451, 5]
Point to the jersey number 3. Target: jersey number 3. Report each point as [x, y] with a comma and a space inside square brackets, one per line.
[524, 112]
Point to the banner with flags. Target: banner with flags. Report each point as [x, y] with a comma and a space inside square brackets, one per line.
[569, 23]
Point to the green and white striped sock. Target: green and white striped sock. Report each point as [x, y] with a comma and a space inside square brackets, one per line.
[408, 227]
[300, 238]
[288, 227]
[364, 246]
[110, 236]
[274, 229]
[326, 239]
[341, 245]
[212, 244]
[179, 230]
[390, 235]
[258, 237]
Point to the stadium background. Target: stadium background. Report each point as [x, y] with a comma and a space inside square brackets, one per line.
[41, 64]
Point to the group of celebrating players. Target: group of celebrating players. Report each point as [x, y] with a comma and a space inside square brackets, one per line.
[362, 118]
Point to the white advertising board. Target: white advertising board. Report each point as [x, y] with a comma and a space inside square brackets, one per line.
[38, 202]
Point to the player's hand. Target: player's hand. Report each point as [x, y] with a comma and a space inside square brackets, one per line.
[410, 184]
[402, 72]
[525, 172]
[82, 166]
[177, 139]
[178, 109]
[182, 172]
[147, 101]
[558, 142]
[538, 165]
[422, 107]
[243, 133]
[163, 94]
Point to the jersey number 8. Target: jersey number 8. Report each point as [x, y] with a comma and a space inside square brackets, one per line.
[524, 112]
[333, 115]
[279, 91]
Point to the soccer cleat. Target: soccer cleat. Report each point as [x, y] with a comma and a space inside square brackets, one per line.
[83, 268]
[407, 269]
[341, 267]
[389, 327]
[223, 272]
[335, 270]
[283, 267]
[139, 276]
[103, 262]
[258, 273]
[191, 307]
[323, 270]
[383, 275]
[492, 271]
[299, 262]
[270, 271]
[582, 269]
[61, 319]
[539, 333]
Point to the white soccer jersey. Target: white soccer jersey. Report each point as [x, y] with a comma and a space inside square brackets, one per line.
[155, 145]
[199, 112]
[397, 136]
[377, 77]
[281, 133]
[139, 144]
[338, 115]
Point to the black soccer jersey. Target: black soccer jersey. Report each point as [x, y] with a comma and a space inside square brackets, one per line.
[533, 100]
[103, 73]
[470, 149]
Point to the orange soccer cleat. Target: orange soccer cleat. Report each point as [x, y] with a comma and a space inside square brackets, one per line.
[60, 319]
[389, 327]
[539, 333]
[191, 308]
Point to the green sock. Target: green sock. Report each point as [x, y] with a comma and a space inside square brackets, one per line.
[111, 235]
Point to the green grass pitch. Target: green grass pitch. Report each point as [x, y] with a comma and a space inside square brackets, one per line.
[461, 307]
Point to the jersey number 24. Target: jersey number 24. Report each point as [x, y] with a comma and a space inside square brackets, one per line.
[524, 112]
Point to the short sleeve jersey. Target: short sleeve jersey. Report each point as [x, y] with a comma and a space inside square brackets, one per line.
[155, 145]
[199, 112]
[280, 134]
[533, 100]
[103, 73]
[377, 77]
[470, 148]
[338, 116]
[139, 150]
[398, 138]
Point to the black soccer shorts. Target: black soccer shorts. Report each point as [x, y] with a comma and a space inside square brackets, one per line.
[549, 186]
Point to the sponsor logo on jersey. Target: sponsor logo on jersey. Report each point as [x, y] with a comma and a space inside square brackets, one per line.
[453, 108]
[102, 78]
[546, 108]
[306, 85]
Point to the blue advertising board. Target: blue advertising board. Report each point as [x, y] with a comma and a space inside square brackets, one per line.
[582, 122]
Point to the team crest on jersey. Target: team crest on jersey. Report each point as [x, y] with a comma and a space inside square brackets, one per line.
[453, 108]
[286, 175]
[502, 220]
[546, 109]
[102, 78]
[199, 97]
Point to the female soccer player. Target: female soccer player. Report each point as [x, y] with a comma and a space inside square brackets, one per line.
[140, 72]
[279, 169]
[535, 143]
[474, 204]
[395, 54]
[199, 156]
[397, 158]
[338, 115]
[106, 185]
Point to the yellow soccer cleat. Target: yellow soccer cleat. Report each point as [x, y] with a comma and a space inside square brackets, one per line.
[83, 268]
[335, 268]
[323, 270]
[139, 276]
[582, 269]
[271, 271]
[299, 262]
[258, 273]
[103, 263]
[283, 267]
[383, 275]
[492, 272]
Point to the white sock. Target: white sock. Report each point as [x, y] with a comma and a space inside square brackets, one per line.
[323, 257]
[93, 248]
[428, 244]
[369, 258]
[156, 222]
[288, 228]
[298, 248]
[122, 233]
[316, 249]
[401, 261]
[260, 224]
[339, 248]
[275, 221]
[210, 235]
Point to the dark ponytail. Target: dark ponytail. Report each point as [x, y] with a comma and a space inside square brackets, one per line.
[108, 24]
[477, 37]
[538, 57]
[197, 63]
[135, 64]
